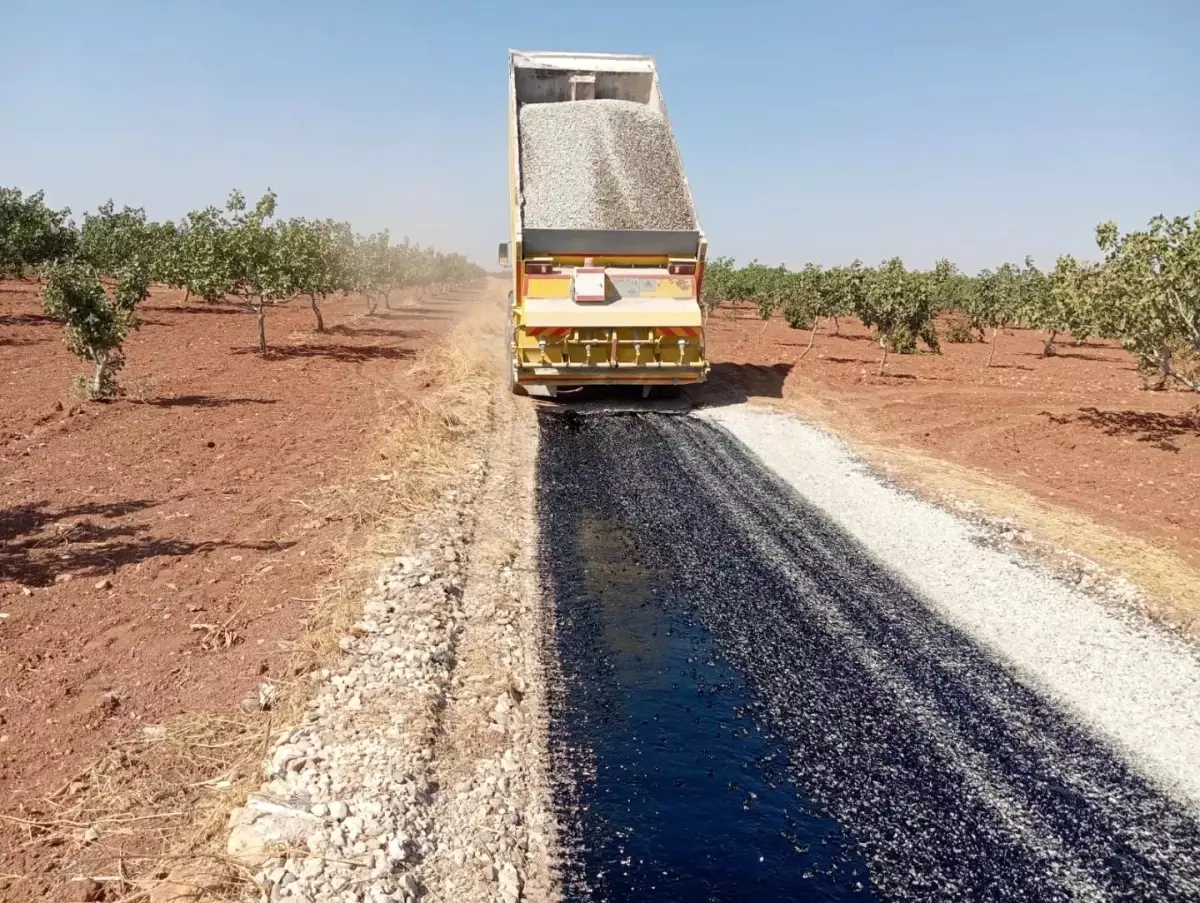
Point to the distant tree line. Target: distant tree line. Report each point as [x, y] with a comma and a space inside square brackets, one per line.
[94, 275]
[1144, 293]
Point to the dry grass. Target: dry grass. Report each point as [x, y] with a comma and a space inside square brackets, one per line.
[157, 806]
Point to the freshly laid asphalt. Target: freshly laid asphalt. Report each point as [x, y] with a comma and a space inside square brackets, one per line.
[746, 706]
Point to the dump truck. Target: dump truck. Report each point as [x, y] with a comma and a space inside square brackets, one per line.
[605, 246]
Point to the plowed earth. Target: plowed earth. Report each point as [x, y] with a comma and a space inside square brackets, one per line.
[194, 500]
[1076, 430]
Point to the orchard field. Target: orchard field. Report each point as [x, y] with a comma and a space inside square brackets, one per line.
[191, 419]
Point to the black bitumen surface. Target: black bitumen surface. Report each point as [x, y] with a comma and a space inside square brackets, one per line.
[746, 706]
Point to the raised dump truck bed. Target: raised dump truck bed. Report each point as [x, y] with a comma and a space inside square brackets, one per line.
[606, 245]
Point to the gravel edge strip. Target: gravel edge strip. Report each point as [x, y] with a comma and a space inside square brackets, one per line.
[1131, 680]
[355, 809]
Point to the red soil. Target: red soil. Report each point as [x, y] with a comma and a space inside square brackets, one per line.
[187, 501]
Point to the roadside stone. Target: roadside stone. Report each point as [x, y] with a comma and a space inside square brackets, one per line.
[193, 881]
[353, 784]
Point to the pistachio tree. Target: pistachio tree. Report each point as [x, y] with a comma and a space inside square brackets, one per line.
[900, 305]
[371, 273]
[996, 301]
[97, 320]
[32, 233]
[1062, 303]
[1148, 295]
[716, 284]
[825, 295]
[314, 257]
[233, 256]
[841, 291]
[801, 301]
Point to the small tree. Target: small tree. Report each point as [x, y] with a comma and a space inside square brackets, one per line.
[995, 302]
[96, 322]
[900, 304]
[315, 260]
[1062, 303]
[842, 292]
[32, 234]
[763, 286]
[716, 285]
[370, 267]
[233, 256]
[1149, 294]
[803, 301]
[111, 241]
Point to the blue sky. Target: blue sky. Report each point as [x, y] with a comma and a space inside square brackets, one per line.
[980, 131]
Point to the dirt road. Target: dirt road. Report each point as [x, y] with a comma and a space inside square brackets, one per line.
[781, 678]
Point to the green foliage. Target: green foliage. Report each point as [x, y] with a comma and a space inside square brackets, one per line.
[900, 304]
[1063, 303]
[315, 260]
[97, 322]
[717, 285]
[996, 302]
[114, 241]
[372, 269]
[233, 255]
[32, 234]
[379, 268]
[1148, 294]
[957, 329]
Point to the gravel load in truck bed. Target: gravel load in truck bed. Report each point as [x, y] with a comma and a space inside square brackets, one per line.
[601, 164]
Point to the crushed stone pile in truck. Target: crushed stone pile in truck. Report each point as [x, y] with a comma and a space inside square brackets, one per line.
[605, 244]
[601, 164]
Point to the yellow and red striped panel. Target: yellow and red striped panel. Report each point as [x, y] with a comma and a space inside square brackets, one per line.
[679, 332]
[548, 331]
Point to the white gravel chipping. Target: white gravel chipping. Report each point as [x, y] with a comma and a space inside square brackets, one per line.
[1131, 681]
[601, 164]
[416, 771]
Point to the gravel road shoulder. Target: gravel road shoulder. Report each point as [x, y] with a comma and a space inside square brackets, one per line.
[1135, 683]
[418, 769]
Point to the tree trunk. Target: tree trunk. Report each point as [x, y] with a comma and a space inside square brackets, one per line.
[387, 300]
[261, 310]
[372, 304]
[883, 343]
[763, 331]
[99, 374]
[812, 337]
[837, 327]
[312, 300]
[187, 293]
[992, 353]
[1048, 347]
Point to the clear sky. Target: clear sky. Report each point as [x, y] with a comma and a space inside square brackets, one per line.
[825, 131]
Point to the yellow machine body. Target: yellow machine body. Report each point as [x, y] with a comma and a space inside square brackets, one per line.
[598, 306]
